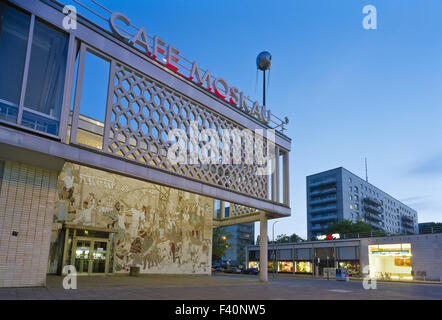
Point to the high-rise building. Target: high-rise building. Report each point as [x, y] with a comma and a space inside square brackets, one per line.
[241, 236]
[338, 194]
[430, 227]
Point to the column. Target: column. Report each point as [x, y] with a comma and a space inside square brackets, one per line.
[263, 273]
[277, 162]
[222, 210]
[286, 173]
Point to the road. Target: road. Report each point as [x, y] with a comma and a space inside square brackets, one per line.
[220, 287]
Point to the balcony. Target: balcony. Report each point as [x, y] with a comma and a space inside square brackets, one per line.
[374, 218]
[373, 201]
[320, 201]
[374, 223]
[407, 225]
[372, 209]
[323, 191]
[322, 183]
[326, 218]
[407, 219]
[323, 209]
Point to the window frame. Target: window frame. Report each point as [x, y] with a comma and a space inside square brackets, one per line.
[62, 121]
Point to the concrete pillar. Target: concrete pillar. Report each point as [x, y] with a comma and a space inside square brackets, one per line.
[286, 172]
[277, 177]
[263, 272]
[222, 210]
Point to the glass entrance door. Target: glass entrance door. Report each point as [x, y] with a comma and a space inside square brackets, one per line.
[82, 256]
[99, 257]
[91, 255]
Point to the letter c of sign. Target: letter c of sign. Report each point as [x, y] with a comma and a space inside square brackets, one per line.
[113, 26]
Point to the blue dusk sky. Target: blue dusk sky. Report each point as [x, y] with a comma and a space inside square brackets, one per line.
[349, 93]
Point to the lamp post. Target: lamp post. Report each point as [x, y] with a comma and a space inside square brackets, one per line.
[327, 269]
[263, 62]
[274, 248]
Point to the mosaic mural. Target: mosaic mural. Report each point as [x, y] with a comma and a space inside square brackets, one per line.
[162, 230]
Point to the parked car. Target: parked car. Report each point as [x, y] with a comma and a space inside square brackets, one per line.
[245, 271]
[232, 270]
[219, 269]
[254, 271]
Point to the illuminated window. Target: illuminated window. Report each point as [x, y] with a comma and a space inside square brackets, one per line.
[390, 261]
[303, 267]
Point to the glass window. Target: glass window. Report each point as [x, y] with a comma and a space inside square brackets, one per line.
[14, 30]
[285, 266]
[303, 267]
[93, 102]
[44, 91]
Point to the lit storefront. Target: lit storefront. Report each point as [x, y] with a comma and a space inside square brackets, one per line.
[285, 266]
[303, 267]
[400, 258]
[391, 261]
[352, 266]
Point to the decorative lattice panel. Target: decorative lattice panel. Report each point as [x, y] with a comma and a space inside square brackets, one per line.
[143, 112]
[239, 210]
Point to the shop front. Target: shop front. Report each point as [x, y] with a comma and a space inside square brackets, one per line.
[285, 266]
[303, 267]
[390, 261]
[353, 266]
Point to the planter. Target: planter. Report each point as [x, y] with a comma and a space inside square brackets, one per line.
[134, 271]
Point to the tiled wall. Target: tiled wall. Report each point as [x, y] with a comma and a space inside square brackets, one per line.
[27, 197]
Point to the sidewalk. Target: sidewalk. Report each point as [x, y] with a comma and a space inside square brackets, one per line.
[301, 276]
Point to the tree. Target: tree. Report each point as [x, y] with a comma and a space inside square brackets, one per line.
[220, 243]
[258, 238]
[283, 238]
[348, 228]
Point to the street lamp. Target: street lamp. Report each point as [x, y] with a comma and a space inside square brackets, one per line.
[274, 248]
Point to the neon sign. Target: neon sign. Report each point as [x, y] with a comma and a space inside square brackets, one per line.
[219, 87]
[329, 236]
[392, 253]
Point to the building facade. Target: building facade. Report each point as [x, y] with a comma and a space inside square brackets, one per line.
[241, 236]
[337, 195]
[430, 227]
[407, 257]
[87, 180]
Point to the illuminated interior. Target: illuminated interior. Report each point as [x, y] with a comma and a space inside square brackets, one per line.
[285, 266]
[303, 267]
[390, 261]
